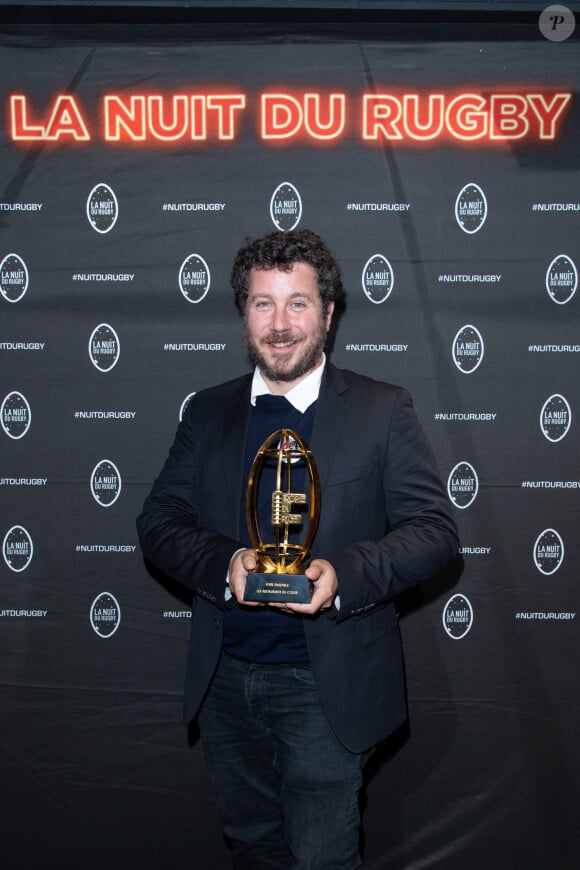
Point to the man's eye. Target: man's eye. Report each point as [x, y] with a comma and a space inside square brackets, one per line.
[298, 306]
[262, 304]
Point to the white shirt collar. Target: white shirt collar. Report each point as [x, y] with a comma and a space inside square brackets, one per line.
[301, 396]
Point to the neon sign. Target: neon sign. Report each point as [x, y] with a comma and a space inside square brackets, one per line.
[405, 118]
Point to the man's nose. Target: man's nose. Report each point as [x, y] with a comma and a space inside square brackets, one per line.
[280, 319]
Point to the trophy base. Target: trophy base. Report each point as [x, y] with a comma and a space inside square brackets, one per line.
[285, 588]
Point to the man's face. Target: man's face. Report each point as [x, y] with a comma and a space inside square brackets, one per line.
[284, 324]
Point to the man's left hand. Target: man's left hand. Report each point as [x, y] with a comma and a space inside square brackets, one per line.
[324, 589]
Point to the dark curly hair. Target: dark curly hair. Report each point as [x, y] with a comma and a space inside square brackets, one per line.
[280, 250]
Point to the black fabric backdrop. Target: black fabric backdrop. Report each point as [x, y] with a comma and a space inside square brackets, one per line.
[102, 340]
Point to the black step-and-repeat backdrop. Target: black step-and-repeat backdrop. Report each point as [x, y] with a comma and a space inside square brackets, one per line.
[441, 164]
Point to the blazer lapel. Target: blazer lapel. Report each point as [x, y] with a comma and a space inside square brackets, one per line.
[331, 411]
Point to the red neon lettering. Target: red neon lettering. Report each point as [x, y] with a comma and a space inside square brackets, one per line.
[225, 106]
[168, 128]
[316, 116]
[333, 125]
[124, 121]
[198, 118]
[19, 126]
[548, 113]
[181, 116]
[416, 124]
[508, 116]
[397, 117]
[381, 114]
[281, 116]
[65, 120]
[465, 117]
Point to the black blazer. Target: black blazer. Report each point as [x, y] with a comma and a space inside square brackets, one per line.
[385, 525]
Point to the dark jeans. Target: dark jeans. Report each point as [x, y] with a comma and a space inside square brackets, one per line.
[286, 788]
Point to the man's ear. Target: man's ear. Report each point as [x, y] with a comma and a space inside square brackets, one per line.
[329, 312]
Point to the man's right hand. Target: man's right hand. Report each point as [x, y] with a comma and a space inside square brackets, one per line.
[241, 564]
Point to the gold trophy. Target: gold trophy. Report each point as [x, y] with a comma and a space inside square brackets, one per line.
[279, 574]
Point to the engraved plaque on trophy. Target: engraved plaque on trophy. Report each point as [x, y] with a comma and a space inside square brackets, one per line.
[279, 575]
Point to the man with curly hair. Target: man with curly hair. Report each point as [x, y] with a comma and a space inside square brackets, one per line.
[292, 698]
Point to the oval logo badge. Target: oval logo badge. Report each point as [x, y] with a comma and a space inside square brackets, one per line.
[548, 551]
[17, 549]
[13, 278]
[291, 450]
[285, 207]
[194, 278]
[555, 418]
[15, 415]
[468, 349]
[184, 405]
[102, 208]
[457, 616]
[463, 485]
[105, 483]
[104, 347]
[105, 615]
[378, 279]
[561, 279]
[471, 208]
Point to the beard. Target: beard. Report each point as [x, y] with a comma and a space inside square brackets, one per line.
[283, 371]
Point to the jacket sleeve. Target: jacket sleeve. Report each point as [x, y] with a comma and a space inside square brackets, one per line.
[170, 533]
[421, 535]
